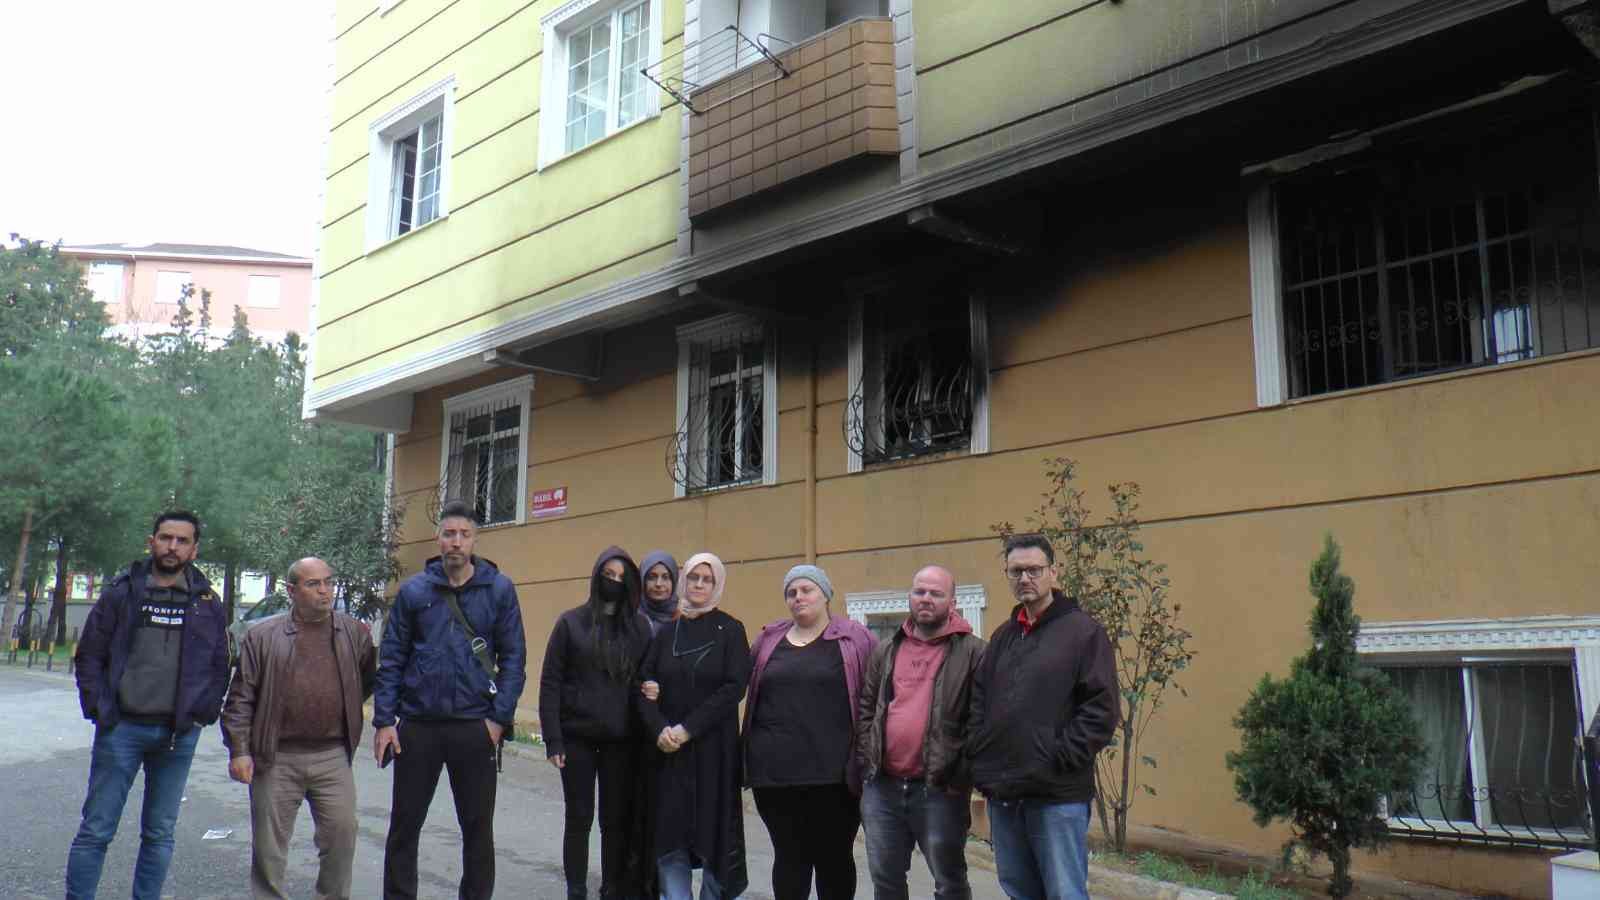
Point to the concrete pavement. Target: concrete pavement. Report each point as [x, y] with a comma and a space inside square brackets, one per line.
[44, 763]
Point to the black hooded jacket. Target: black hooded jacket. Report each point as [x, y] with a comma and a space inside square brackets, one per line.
[578, 697]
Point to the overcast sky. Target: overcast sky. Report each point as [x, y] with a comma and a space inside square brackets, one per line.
[188, 121]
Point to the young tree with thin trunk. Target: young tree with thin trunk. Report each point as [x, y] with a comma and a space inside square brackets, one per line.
[1105, 567]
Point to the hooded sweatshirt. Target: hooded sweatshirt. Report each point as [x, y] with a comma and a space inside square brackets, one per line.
[580, 694]
[659, 614]
[906, 720]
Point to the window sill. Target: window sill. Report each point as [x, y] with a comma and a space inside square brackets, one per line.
[758, 481]
[1468, 372]
[587, 147]
[390, 242]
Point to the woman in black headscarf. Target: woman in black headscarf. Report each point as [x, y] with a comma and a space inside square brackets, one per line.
[586, 693]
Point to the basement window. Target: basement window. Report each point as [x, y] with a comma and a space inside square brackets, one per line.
[1497, 707]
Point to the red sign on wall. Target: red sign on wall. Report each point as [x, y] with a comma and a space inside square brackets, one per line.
[549, 502]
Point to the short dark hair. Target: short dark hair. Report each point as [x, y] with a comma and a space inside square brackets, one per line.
[177, 515]
[458, 509]
[1031, 540]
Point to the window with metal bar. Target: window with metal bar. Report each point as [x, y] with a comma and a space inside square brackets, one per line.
[484, 461]
[724, 433]
[1433, 259]
[915, 396]
[1502, 765]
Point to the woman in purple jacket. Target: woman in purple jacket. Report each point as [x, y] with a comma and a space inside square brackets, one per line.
[798, 731]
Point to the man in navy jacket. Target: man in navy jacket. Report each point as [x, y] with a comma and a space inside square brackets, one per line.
[452, 710]
[152, 667]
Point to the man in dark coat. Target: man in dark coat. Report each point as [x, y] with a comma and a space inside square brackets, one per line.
[1044, 702]
[152, 667]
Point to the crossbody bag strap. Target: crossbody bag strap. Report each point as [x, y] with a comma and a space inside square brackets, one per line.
[479, 646]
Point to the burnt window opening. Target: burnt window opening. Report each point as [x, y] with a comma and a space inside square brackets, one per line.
[1442, 259]
[916, 393]
[722, 436]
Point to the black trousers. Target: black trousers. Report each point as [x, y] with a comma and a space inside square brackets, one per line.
[461, 747]
[613, 764]
[813, 828]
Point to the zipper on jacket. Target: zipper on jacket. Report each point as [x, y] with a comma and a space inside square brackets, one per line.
[177, 694]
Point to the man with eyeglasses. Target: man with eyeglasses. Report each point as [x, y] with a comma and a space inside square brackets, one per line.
[292, 724]
[1044, 702]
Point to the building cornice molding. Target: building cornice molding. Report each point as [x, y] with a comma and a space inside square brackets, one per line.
[1380, 34]
[422, 98]
[1467, 635]
[522, 385]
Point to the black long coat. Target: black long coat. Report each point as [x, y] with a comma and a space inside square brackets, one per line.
[703, 666]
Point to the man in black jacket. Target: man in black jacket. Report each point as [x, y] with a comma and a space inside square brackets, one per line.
[1044, 702]
[151, 667]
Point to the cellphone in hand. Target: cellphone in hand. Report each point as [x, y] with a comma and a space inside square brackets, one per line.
[388, 756]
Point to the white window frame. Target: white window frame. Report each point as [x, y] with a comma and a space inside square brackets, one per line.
[707, 330]
[1463, 642]
[401, 122]
[183, 279]
[519, 389]
[1266, 299]
[971, 600]
[107, 276]
[255, 302]
[978, 327]
[560, 24]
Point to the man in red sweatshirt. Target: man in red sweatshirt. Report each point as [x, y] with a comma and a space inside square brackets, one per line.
[914, 705]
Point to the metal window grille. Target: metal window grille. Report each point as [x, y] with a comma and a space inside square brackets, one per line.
[1442, 259]
[722, 440]
[484, 459]
[916, 393]
[1505, 764]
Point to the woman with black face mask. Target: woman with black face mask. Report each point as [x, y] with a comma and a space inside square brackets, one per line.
[585, 710]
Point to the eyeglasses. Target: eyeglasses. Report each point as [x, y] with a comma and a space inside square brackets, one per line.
[1032, 573]
[701, 579]
[313, 584]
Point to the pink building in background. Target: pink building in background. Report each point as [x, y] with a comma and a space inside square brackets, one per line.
[140, 286]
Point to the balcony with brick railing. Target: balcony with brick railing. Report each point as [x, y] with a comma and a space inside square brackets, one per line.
[825, 101]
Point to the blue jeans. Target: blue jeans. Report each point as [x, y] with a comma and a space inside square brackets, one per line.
[118, 753]
[898, 813]
[1041, 849]
[676, 871]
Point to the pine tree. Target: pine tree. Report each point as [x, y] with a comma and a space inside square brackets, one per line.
[1320, 748]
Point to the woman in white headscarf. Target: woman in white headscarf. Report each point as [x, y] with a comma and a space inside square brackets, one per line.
[695, 672]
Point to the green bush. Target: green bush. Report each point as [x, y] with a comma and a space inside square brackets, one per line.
[1320, 748]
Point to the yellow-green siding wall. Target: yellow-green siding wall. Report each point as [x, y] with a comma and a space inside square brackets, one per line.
[516, 239]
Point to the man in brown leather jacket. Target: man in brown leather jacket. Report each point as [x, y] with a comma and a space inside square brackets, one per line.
[292, 724]
[913, 717]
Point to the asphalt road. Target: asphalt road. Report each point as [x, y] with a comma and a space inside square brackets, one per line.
[44, 765]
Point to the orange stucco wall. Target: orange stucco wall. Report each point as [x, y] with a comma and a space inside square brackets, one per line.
[1469, 495]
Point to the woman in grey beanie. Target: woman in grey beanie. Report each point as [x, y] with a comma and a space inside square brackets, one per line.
[798, 737]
